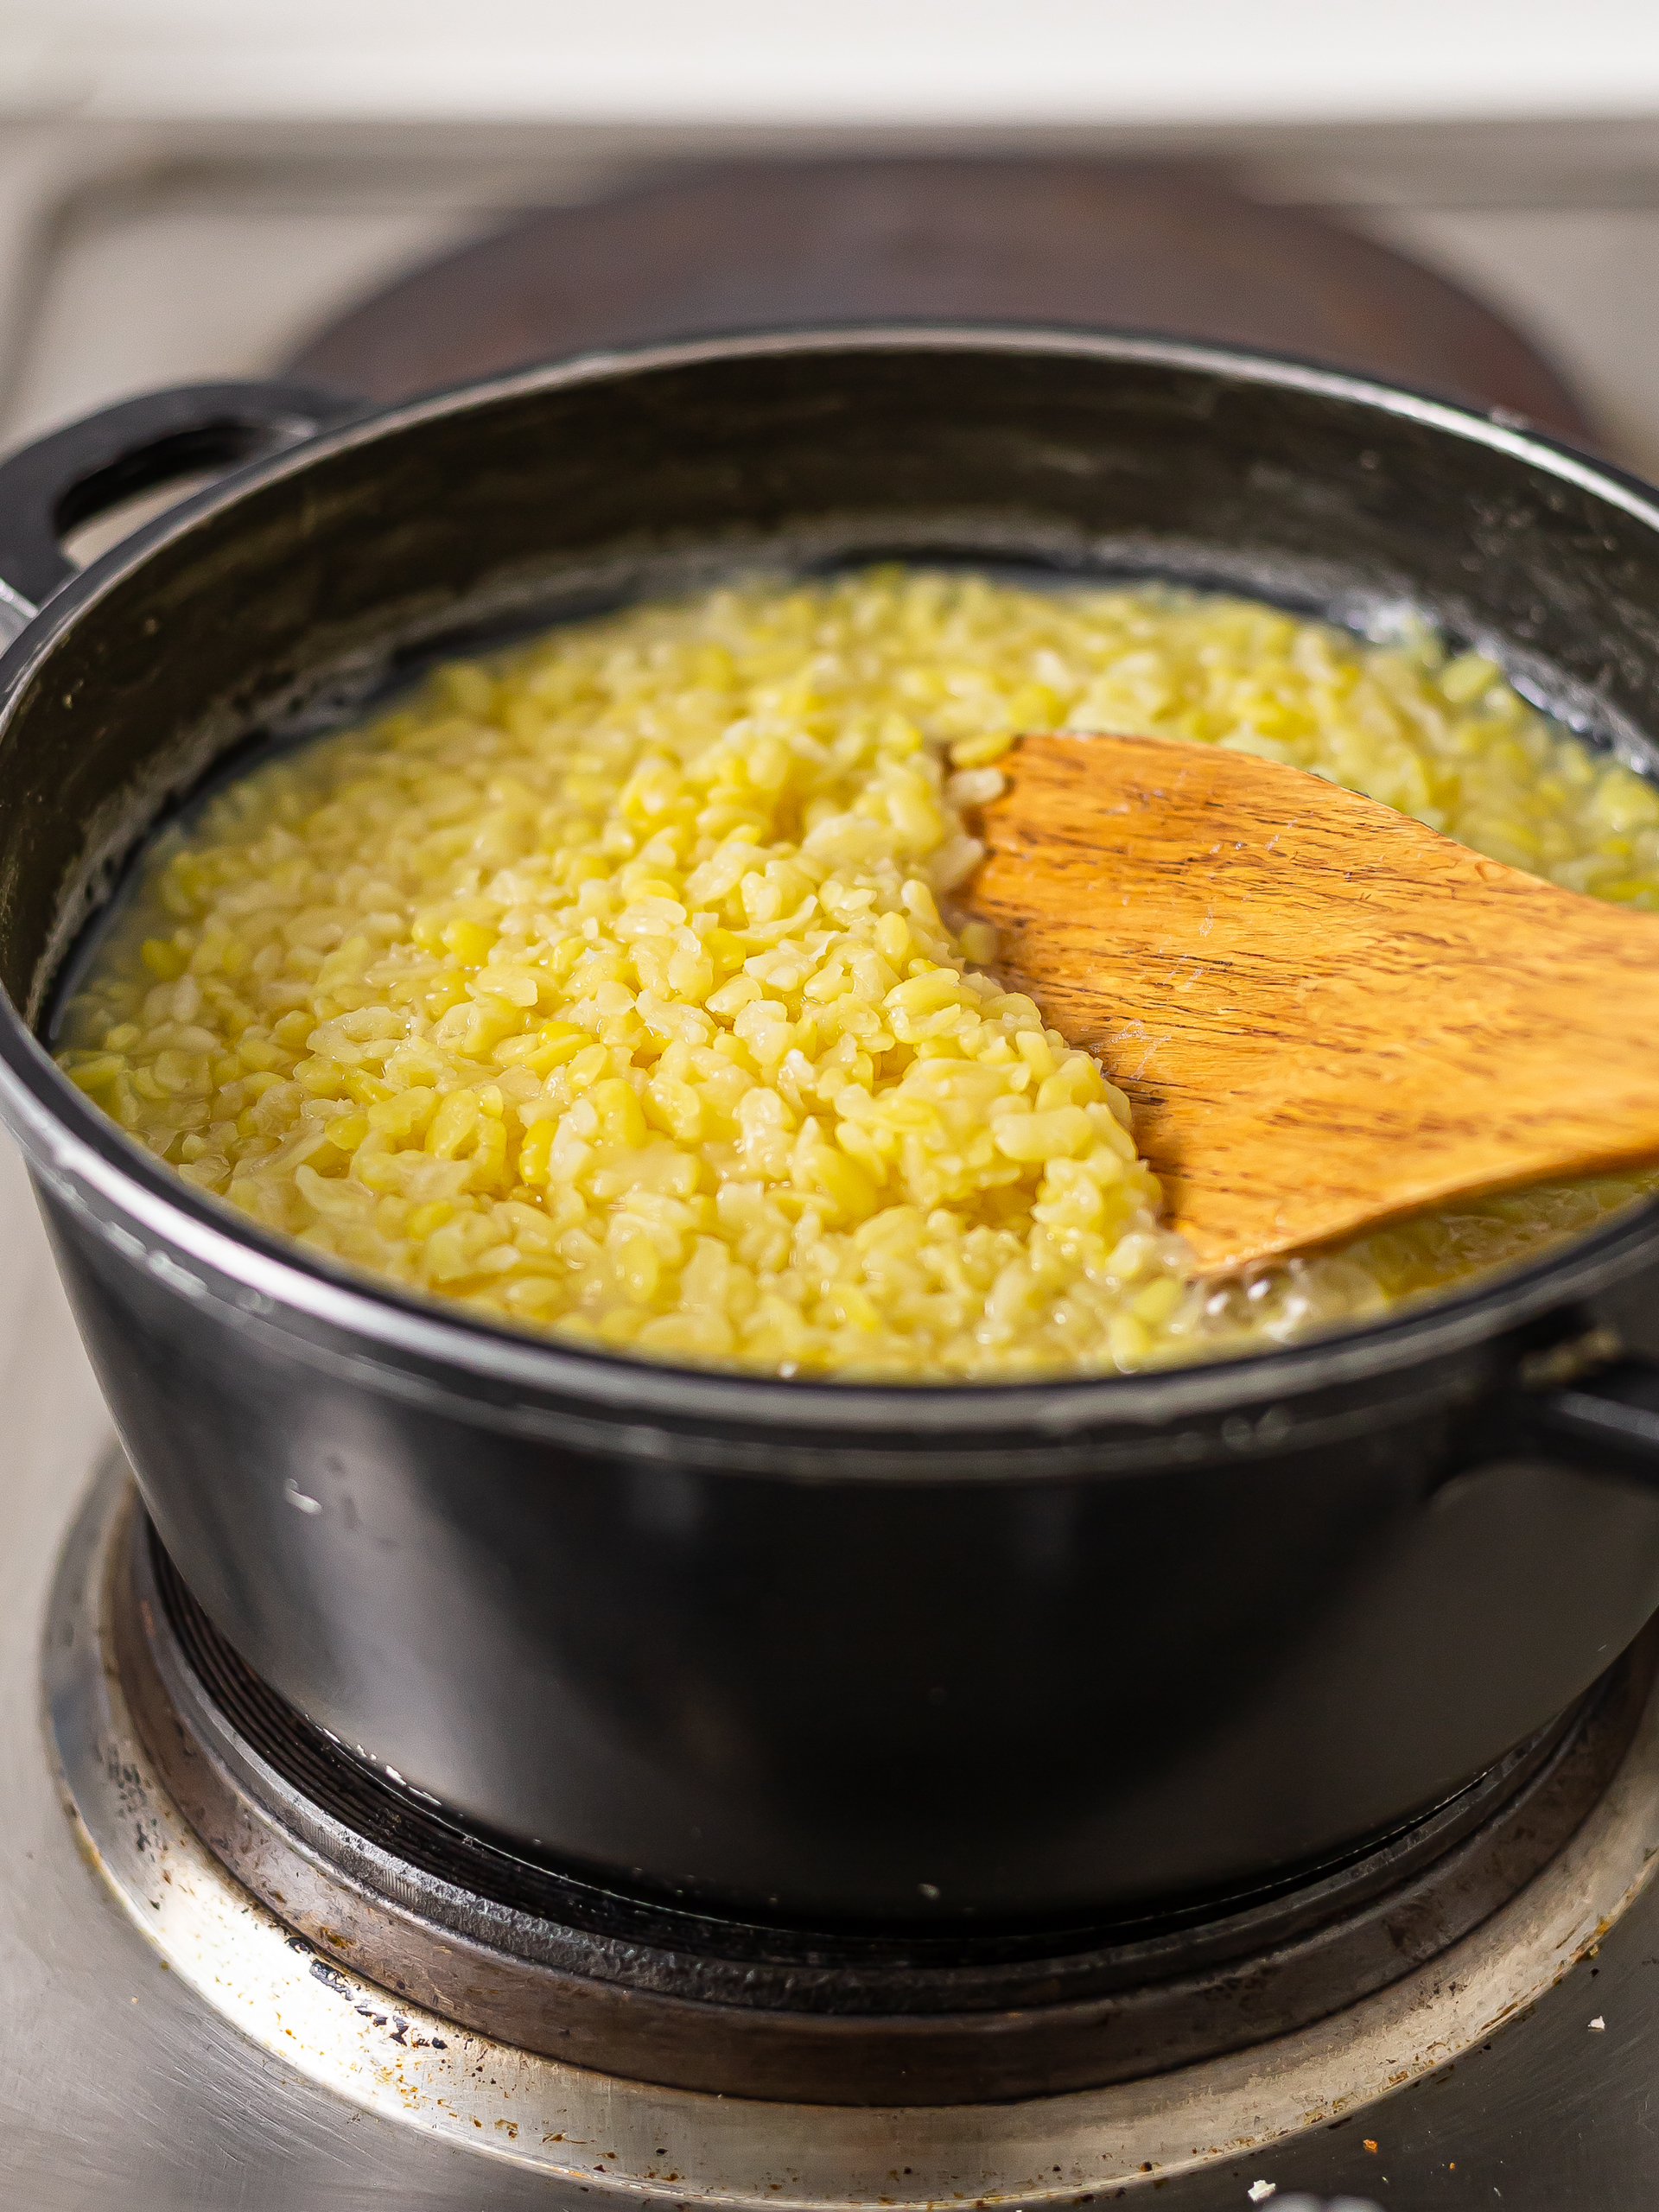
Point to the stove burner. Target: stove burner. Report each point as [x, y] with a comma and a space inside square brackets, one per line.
[1206, 2132]
[453, 1922]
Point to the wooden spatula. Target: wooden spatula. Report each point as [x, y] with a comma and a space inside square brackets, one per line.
[1325, 1014]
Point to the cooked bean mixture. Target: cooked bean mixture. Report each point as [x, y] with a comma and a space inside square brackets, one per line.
[612, 989]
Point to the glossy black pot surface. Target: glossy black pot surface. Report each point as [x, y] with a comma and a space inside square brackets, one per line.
[825, 1652]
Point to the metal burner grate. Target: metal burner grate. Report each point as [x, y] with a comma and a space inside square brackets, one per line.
[1273, 2114]
[553, 1963]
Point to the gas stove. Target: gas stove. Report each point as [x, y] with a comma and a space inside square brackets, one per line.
[242, 1969]
[260, 2038]
[1250, 2052]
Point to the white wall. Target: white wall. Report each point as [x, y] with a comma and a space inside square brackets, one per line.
[1146, 63]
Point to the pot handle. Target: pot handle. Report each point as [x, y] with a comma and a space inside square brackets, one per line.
[1602, 1423]
[73, 474]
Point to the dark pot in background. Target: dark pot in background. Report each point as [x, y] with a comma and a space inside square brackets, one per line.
[825, 1652]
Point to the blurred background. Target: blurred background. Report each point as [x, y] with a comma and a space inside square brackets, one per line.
[393, 193]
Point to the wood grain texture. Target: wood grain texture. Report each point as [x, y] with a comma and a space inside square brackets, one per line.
[1325, 1014]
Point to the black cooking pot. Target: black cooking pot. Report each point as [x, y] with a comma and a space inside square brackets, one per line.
[826, 1652]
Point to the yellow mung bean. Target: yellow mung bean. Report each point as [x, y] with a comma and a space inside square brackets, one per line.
[611, 989]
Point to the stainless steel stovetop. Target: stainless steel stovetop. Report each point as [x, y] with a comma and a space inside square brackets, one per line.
[139, 2034]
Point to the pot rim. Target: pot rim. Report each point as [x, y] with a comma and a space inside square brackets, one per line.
[76, 1147]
